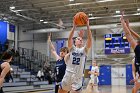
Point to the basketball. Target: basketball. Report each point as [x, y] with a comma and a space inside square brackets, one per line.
[80, 19]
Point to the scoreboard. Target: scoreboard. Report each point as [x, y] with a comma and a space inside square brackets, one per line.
[116, 44]
[11, 28]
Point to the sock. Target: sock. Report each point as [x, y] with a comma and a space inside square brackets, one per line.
[56, 88]
[1, 90]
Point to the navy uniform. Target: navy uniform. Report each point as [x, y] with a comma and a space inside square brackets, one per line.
[0, 67]
[137, 66]
[137, 59]
[137, 53]
[59, 72]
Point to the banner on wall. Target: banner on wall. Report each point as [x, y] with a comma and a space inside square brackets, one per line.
[11, 32]
[12, 28]
[59, 45]
[117, 51]
[3, 32]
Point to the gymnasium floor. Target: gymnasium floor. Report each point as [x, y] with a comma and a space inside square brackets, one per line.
[103, 89]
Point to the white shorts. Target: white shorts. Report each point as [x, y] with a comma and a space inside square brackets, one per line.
[71, 81]
[94, 81]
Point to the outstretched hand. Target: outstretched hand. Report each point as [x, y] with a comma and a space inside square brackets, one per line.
[81, 33]
[124, 21]
[87, 22]
[122, 16]
[127, 22]
[74, 24]
[49, 37]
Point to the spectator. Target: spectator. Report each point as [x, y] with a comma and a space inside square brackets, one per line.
[47, 73]
[40, 75]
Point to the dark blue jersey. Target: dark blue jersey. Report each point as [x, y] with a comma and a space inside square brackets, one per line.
[137, 66]
[0, 66]
[1, 62]
[137, 53]
[60, 70]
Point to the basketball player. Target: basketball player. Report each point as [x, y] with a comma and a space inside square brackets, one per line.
[6, 58]
[60, 63]
[135, 64]
[135, 73]
[75, 62]
[136, 46]
[93, 83]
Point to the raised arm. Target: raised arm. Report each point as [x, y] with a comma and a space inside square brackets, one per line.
[134, 34]
[133, 69]
[66, 58]
[52, 48]
[70, 38]
[128, 33]
[89, 37]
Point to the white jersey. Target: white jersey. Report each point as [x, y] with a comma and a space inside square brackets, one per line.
[76, 61]
[94, 69]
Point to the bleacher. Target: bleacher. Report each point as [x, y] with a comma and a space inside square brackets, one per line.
[25, 80]
[25, 69]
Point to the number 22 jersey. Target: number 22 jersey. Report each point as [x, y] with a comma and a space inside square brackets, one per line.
[76, 61]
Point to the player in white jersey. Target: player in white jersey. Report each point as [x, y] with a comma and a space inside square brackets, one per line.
[75, 62]
[92, 86]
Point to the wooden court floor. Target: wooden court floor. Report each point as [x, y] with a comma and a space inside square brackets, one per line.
[102, 89]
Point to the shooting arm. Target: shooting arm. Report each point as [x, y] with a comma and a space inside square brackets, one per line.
[89, 38]
[133, 69]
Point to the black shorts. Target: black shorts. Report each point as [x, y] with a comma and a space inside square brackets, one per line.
[58, 79]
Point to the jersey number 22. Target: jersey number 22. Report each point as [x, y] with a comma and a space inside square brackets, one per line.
[76, 61]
